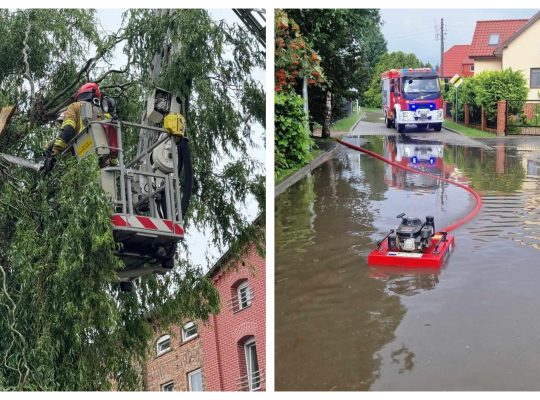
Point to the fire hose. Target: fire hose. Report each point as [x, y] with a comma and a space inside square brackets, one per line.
[449, 228]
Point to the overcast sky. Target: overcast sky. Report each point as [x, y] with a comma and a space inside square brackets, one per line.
[413, 30]
[111, 20]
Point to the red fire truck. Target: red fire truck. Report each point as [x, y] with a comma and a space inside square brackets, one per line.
[412, 96]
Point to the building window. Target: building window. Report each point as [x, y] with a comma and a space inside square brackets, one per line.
[189, 331]
[194, 379]
[535, 78]
[472, 68]
[493, 39]
[167, 387]
[163, 344]
[252, 365]
[244, 295]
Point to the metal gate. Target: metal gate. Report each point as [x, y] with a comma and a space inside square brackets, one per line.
[522, 117]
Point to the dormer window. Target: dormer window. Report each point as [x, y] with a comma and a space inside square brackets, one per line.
[493, 39]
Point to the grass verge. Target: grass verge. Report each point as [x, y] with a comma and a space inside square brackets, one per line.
[371, 109]
[467, 131]
[280, 176]
[345, 124]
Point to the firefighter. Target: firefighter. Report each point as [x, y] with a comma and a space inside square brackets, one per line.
[72, 123]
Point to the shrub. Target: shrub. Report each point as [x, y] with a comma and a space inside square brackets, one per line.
[292, 141]
[487, 88]
[492, 86]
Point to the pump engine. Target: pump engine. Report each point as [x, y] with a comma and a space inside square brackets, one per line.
[412, 235]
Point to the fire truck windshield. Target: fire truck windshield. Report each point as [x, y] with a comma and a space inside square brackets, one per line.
[414, 86]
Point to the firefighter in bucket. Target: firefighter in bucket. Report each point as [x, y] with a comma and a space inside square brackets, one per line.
[72, 125]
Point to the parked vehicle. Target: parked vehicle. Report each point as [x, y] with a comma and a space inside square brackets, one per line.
[412, 96]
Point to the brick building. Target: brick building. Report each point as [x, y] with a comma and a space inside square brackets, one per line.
[229, 352]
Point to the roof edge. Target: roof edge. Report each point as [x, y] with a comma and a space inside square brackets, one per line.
[499, 50]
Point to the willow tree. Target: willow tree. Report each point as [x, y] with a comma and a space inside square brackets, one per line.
[63, 324]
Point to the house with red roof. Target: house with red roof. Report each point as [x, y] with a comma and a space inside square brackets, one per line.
[456, 61]
[512, 43]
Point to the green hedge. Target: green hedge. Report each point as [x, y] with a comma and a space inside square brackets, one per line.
[488, 87]
[292, 141]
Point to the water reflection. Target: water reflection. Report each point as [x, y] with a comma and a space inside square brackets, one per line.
[341, 325]
[425, 156]
[330, 317]
[406, 281]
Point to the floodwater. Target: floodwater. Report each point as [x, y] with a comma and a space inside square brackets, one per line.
[473, 325]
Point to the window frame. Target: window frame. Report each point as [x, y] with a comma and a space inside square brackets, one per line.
[247, 353]
[169, 383]
[492, 35]
[160, 341]
[249, 295]
[537, 70]
[185, 337]
[192, 373]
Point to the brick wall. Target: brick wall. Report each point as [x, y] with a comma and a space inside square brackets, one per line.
[223, 337]
[218, 349]
[501, 118]
[175, 364]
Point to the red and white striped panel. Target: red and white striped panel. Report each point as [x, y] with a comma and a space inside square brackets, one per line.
[141, 222]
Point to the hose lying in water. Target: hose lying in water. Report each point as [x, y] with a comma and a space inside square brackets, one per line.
[449, 228]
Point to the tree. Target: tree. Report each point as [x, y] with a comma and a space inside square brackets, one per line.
[350, 43]
[63, 325]
[294, 57]
[295, 61]
[397, 59]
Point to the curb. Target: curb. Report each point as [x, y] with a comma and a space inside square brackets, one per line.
[291, 180]
[453, 130]
[354, 126]
[322, 158]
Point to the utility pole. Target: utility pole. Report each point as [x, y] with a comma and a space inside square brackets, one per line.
[442, 48]
[440, 34]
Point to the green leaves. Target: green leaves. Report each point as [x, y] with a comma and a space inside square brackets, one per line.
[292, 141]
[349, 42]
[487, 88]
[396, 59]
[56, 244]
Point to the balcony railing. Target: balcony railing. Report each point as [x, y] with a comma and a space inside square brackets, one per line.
[233, 304]
[249, 384]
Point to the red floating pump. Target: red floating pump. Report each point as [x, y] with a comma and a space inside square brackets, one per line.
[415, 244]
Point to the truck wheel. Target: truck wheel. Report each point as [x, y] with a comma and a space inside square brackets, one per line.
[437, 127]
[400, 127]
[387, 121]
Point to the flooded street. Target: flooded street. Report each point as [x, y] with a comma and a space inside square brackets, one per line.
[473, 325]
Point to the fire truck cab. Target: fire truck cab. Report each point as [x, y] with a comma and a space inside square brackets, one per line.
[412, 96]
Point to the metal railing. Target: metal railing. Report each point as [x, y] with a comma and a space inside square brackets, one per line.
[251, 382]
[166, 186]
[233, 304]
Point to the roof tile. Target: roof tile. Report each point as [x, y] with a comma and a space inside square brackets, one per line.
[457, 61]
[505, 28]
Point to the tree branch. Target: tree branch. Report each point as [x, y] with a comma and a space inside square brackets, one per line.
[84, 70]
[26, 74]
